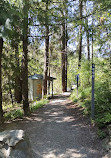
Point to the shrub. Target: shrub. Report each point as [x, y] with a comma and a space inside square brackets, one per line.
[102, 93]
[38, 104]
[14, 114]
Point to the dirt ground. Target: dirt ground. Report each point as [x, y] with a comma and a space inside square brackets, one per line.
[59, 130]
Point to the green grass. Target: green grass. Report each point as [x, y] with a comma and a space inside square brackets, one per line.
[14, 114]
[102, 103]
[10, 106]
[38, 104]
[101, 134]
[18, 113]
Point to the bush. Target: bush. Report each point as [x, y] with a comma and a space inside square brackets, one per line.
[18, 113]
[14, 114]
[38, 104]
[102, 93]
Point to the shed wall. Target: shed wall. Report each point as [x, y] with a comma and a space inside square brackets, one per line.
[30, 89]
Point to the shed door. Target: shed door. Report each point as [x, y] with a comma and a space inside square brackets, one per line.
[39, 88]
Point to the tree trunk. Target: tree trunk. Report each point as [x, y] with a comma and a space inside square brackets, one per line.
[87, 35]
[80, 33]
[63, 57]
[88, 45]
[10, 91]
[18, 85]
[66, 61]
[25, 61]
[92, 42]
[49, 82]
[1, 109]
[46, 63]
[66, 72]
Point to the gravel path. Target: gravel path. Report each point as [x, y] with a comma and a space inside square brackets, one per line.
[58, 130]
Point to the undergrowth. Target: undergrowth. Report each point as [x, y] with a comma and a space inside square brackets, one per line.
[102, 93]
[18, 113]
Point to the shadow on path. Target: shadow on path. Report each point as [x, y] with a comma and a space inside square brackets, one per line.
[58, 130]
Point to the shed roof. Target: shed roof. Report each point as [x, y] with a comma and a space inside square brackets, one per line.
[36, 77]
[40, 76]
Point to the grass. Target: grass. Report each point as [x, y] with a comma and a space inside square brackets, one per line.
[10, 106]
[12, 114]
[38, 104]
[101, 134]
[102, 103]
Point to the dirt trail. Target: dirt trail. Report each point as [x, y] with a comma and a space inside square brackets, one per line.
[58, 130]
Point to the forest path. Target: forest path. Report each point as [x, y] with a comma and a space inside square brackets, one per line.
[58, 130]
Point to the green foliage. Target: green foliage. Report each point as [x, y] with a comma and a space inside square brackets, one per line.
[102, 93]
[38, 104]
[10, 106]
[14, 114]
[101, 134]
[18, 113]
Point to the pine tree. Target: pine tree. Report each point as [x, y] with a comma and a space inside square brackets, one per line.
[25, 59]
[80, 32]
[1, 110]
[46, 61]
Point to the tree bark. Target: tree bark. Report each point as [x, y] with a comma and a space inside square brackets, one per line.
[18, 84]
[49, 82]
[80, 34]
[92, 42]
[66, 61]
[46, 62]
[1, 109]
[25, 61]
[88, 45]
[63, 57]
[87, 35]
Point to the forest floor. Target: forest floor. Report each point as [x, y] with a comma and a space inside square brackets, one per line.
[59, 130]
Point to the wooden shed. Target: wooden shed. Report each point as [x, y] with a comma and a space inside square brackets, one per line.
[35, 85]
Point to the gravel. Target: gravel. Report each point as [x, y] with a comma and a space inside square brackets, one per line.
[59, 130]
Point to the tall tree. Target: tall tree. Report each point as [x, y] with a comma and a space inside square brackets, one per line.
[66, 60]
[1, 110]
[80, 32]
[15, 42]
[46, 62]
[87, 33]
[64, 13]
[4, 24]
[63, 56]
[25, 58]
[66, 36]
[18, 84]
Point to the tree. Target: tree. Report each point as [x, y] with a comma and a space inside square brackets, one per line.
[15, 41]
[87, 34]
[18, 83]
[80, 32]
[64, 12]
[66, 60]
[46, 61]
[25, 58]
[63, 55]
[1, 110]
[5, 10]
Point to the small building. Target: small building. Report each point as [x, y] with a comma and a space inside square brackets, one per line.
[35, 85]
